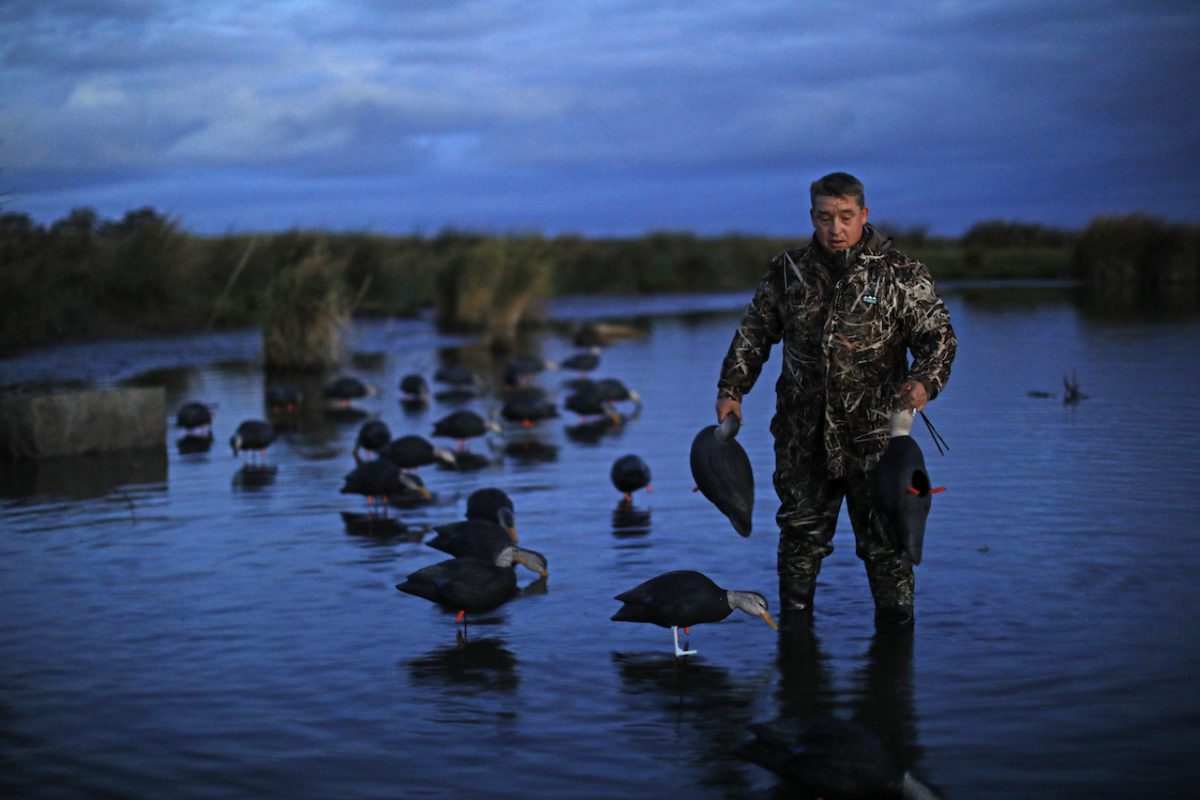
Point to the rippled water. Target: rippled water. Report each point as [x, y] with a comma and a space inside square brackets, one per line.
[170, 631]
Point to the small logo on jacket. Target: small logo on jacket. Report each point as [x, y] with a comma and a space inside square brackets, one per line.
[870, 299]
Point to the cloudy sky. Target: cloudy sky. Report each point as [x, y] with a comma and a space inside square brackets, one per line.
[601, 118]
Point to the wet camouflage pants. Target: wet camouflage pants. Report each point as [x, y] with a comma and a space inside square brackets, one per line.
[809, 504]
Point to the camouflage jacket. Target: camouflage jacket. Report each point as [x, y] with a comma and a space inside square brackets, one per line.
[846, 329]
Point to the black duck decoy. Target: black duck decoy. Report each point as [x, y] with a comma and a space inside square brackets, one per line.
[584, 362]
[682, 598]
[900, 487]
[347, 388]
[630, 473]
[381, 479]
[373, 437]
[494, 505]
[414, 391]
[527, 406]
[253, 436]
[471, 585]
[462, 425]
[412, 452]
[520, 371]
[195, 418]
[723, 473]
[612, 390]
[490, 526]
[831, 758]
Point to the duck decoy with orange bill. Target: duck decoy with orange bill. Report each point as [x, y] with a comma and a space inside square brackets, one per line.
[489, 527]
[528, 405]
[414, 391]
[682, 598]
[630, 473]
[412, 452]
[900, 488]
[471, 585]
[722, 472]
[253, 436]
[831, 758]
[347, 388]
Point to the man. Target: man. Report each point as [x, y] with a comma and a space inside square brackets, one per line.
[848, 309]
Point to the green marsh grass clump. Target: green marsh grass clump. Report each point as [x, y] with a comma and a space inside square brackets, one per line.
[305, 310]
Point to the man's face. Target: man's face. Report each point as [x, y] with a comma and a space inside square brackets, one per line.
[838, 221]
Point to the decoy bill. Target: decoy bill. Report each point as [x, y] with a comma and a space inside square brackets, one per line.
[682, 598]
[722, 472]
[900, 487]
[471, 585]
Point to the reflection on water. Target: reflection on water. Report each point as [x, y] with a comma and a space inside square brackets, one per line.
[163, 626]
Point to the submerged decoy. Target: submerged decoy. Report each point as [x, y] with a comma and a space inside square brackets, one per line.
[412, 452]
[414, 391]
[831, 758]
[682, 598]
[195, 418]
[722, 472]
[381, 479]
[471, 585]
[900, 487]
[373, 437]
[462, 425]
[253, 436]
[630, 473]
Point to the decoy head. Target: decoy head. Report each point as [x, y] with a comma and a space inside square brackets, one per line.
[411, 483]
[510, 556]
[728, 428]
[753, 604]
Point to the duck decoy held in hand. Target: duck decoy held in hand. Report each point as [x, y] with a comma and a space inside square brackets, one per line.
[253, 436]
[195, 418]
[900, 487]
[832, 758]
[682, 598]
[462, 425]
[471, 585]
[630, 473]
[722, 472]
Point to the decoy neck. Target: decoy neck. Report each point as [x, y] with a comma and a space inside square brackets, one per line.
[728, 428]
[752, 603]
[901, 421]
[510, 556]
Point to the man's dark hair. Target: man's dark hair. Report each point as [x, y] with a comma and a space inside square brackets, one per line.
[838, 184]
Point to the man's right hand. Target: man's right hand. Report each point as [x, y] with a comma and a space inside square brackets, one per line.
[725, 405]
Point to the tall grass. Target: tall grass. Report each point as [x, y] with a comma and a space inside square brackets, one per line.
[1138, 260]
[305, 310]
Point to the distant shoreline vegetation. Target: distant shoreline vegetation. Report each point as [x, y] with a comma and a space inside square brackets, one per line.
[84, 276]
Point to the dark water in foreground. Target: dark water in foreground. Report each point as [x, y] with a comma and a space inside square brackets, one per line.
[165, 631]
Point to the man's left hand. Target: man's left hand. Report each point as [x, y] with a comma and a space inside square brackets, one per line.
[912, 395]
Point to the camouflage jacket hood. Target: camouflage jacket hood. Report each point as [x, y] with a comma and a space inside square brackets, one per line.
[847, 322]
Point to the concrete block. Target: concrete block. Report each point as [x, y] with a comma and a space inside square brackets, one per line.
[47, 425]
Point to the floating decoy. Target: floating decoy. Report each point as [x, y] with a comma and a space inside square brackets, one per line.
[900, 487]
[521, 369]
[493, 504]
[630, 473]
[195, 419]
[462, 425]
[584, 362]
[412, 452]
[381, 479]
[473, 537]
[832, 758]
[682, 598]
[471, 585]
[282, 398]
[253, 436]
[612, 390]
[373, 437]
[528, 405]
[722, 472]
[414, 391]
[462, 383]
[347, 388]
